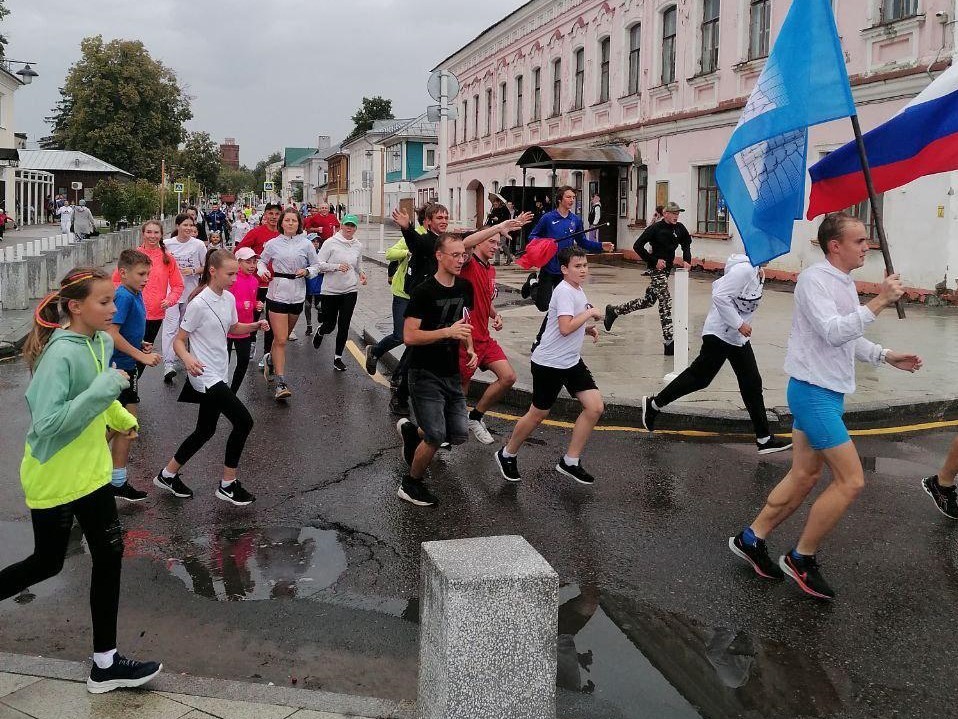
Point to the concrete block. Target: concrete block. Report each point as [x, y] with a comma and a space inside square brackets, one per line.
[66, 260]
[489, 612]
[84, 254]
[52, 259]
[37, 276]
[13, 285]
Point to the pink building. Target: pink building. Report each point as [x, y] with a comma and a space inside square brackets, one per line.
[637, 100]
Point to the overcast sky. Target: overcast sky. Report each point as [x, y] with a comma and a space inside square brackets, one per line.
[270, 78]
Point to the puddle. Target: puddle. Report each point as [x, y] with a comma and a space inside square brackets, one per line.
[16, 544]
[261, 563]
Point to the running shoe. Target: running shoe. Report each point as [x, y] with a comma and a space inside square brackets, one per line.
[946, 498]
[267, 365]
[293, 336]
[123, 673]
[480, 432]
[252, 353]
[169, 375]
[807, 575]
[317, 340]
[649, 413]
[531, 281]
[398, 407]
[262, 362]
[445, 446]
[773, 445]
[576, 471]
[282, 391]
[410, 439]
[235, 493]
[309, 330]
[128, 492]
[756, 556]
[416, 492]
[609, 318]
[338, 364]
[508, 467]
[371, 359]
[174, 486]
[669, 350]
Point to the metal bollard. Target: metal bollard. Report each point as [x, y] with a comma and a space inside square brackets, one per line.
[680, 323]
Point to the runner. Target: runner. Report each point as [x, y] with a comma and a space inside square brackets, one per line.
[323, 221]
[190, 254]
[557, 363]
[244, 289]
[726, 337]
[239, 228]
[341, 262]
[256, 240]
[210, 317]
[66, 465]
[314, 291]
[828, 325]
[435, 326]
[941, 486]
[292, 259]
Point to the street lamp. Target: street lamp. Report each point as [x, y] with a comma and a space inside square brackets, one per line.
[25, 73]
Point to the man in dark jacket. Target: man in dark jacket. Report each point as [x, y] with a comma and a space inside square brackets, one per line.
[657, 246]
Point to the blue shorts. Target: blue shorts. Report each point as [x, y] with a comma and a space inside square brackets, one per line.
[817, 412]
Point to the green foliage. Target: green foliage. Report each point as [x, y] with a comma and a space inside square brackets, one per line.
[298, 193]
[278, 182]
[259, 170]
[136, 201]
[372, 109]
[119, 104]
[142, 201]
[233, 180]
[199, 158]
[3, 39]
[112, 198]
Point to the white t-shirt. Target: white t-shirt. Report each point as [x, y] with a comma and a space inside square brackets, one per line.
[192, 254]
[208, 319]
[554, 350]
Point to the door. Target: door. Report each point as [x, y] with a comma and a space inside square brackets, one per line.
[480, 205]
[609, 197]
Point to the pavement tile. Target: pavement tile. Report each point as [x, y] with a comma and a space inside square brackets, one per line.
[230, 709]
[310, 714]
[11, 713]
[54, 699]
[10, 683]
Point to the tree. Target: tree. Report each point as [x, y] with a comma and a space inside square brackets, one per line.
[3, 39]
[199, 158]
[236, 180]
[259, 170]
[112, 198]
[122, 106]
[372, 109]
[136, 201]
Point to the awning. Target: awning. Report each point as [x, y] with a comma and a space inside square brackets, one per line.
[9, 156]
[575, 158]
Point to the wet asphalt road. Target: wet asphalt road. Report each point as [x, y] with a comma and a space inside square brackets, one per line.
[316, 583]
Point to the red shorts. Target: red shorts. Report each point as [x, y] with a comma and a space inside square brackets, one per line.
[487, 350]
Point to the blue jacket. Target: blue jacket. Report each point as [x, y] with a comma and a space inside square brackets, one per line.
[555, 226]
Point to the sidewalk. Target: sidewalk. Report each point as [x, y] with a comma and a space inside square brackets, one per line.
[56, 689]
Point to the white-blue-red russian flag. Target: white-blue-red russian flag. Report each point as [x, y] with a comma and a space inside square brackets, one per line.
[920, 140]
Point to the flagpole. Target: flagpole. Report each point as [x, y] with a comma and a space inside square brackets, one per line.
[876, 213]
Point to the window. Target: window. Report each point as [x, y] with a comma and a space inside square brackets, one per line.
[760, 13]
[532, 182]
[518, 100]
[892, 10]
[495, 186]
[502, 107]
[863, 211]
[579, 78]
[465, 119]
[710, 36]
[395, 158]
[641, 193]
[489, 111]
[668, 45]
[605, 48]
[556, 88]
[455, 130]
[430, 158]
[475, 114]
[536, 94]
[635, 45]
[711, 218]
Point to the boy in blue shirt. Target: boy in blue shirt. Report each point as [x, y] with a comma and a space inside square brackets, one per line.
[127, 330]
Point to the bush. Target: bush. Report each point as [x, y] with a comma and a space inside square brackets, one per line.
[136, 201]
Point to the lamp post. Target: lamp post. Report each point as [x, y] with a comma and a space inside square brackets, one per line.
[25, 73]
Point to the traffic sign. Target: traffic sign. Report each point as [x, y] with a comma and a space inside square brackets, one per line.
[267, 187]
[178, 187]
[435, 89]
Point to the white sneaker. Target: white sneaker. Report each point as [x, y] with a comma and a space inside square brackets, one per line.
[293, 336]
[478, 429]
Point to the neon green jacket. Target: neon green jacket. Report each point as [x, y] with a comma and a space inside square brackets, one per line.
[399, 252]
[72, 400]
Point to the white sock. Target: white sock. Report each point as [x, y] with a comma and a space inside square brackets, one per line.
[104, 660]
[167, 474]
[337, 357]
[655, 406]
[506, 454]
[226, 485]
[763, 440]
[571, 461]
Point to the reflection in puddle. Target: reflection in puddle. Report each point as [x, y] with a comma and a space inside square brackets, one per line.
[263, 563]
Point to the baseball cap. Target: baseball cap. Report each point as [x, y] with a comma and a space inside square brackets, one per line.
[672, 207]
[351, 220]
[245, 253]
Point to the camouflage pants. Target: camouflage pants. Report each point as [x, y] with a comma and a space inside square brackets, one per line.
[658, 291]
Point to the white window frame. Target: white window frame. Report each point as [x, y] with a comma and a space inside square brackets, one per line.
[633, 52]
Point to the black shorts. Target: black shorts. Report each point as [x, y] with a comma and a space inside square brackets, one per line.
[284, 308]
[131, 395]
[547, 382]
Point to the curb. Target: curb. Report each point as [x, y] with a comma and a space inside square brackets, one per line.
[170, 682]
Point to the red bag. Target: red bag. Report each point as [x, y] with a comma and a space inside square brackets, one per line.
[538, 253]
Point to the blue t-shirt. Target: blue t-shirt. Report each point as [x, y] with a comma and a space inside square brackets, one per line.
[314, 285]
[131, 317]
[558, 228]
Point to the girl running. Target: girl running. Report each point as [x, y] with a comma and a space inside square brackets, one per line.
[247, 307]
[314, 289]
[294, 260]
[190, 254]
[341, 258]
[66, 465]
[210, 317]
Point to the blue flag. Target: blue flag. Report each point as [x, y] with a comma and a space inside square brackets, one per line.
[762, 171]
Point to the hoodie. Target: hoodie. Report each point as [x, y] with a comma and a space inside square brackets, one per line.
[72, 401]
[735, 298]
[336, 251]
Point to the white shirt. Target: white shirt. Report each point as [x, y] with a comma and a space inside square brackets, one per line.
[190, 254]
[239, 230]
[556, 350]
[735, 298]
[208, 319]
[288, 255]
[337, 251]
[65, 212]
[827, 330]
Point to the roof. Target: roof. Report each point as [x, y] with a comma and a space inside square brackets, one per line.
[431, 175]
[574, 158]
[295, 155]
[487, 30]
[380, 129]
[417, 127]
[62, 160]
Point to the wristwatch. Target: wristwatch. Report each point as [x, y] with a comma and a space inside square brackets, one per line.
[884, 355]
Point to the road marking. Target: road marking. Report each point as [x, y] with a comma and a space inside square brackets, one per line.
[361, 361]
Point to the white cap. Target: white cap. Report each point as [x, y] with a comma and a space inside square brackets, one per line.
[245, 253]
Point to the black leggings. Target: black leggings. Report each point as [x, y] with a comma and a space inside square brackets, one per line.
[311, 301]
[97, 516]
[243, 347]
[337, 314]
[217, 400]
[268, 335]
[152, 330]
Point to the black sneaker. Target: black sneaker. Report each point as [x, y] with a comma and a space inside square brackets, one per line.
[398, 407]
[174, 486]
[609, 318]
[531, 281]
[317, 340]
[339, 365]
[946, 498]
[410, 439]
[508, 467]
[309, 330]
[807, 576]
[123, 673]
[128, 492]
[416, 492]
[168, 376]
[649, 413]
[235, 494]
[576, 471]
[371, 360]
[282, 391]
[756, 556]
[773, 445]
[669, 350]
